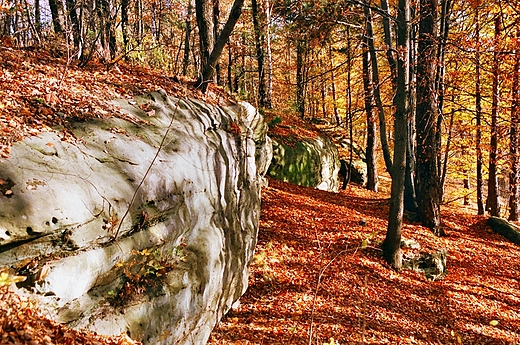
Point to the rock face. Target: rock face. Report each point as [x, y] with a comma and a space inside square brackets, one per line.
[185, 234]
[312, 162]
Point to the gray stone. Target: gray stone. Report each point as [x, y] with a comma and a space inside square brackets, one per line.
[433, 265]
[198, 209]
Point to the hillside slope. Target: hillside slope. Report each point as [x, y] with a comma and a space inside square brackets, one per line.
[312, 280]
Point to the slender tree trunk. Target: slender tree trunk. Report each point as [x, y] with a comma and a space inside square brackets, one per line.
[139, 23]
[410, 195]
[375, 77]
[259, 26]
[187, 37]
[37, 17]
[230, 69]
[56, 8]
[204, 14]
[75, 26]
[108, 38]
[300, 80]
[268, 56]
[323, 91]
[125, 4]
[392, 243]
[428, 184]
[440, 73]
[372, 180]
[447, 151]
[492, 204]
[35, 32]
[216, 27]
[333, 87]
[514, 134]
[478, 115]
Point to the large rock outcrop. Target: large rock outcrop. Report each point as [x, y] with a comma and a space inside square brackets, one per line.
[185, 234]
[311, 162]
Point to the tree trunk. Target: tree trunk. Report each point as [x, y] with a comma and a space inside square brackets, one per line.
[300, 72]
[259, 25]
[392, 243]
[427, 173]
[37, 17]
[268, 56]
[333, 87]
[478, 116]
[492, 204]
[187, 37]
[108, 38]
[230, 69]
[204, 14]
[139, 23]
[208, 69]
[56, 8]
[125, 4]
[375, 76]
[216, 28]
[440, 73]
[372, 180]
[75, 26]
[514, 135]
[447, 152]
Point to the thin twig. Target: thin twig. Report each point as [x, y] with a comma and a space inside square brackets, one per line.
[161, 145]
[316, 291]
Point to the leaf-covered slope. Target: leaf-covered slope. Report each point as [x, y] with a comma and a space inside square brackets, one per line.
[310, 275]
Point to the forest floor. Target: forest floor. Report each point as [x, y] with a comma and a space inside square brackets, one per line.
[318, 273]
[312, 282]
[319, 278]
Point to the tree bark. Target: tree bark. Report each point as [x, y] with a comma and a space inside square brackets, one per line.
[392, 243]
[427, 172]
